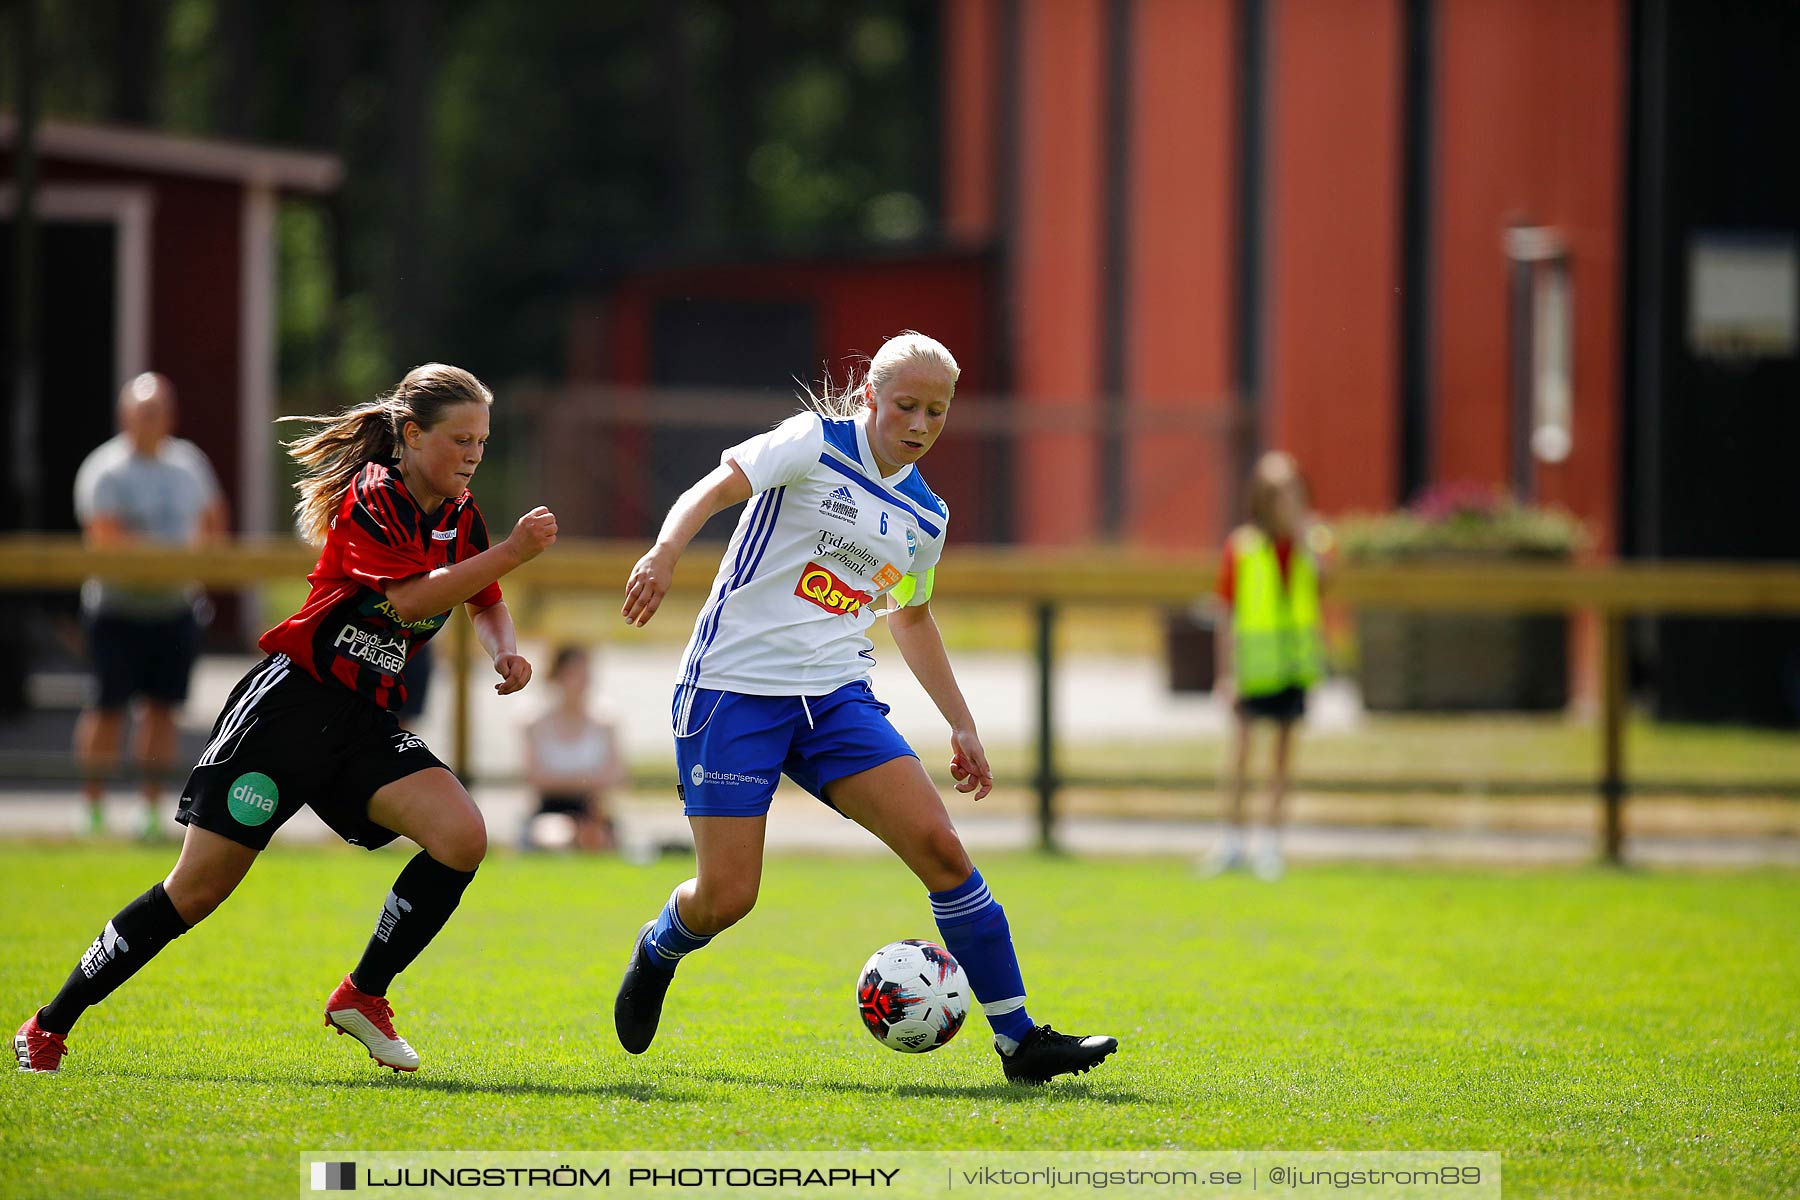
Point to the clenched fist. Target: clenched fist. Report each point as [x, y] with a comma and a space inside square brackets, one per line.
[534, 534]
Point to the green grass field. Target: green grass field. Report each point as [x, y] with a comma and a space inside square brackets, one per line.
[1612, 1034]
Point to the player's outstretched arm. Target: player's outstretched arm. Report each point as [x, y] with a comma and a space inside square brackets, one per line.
[420, 596]
[494, 627]
[722, 487]
[922, 646]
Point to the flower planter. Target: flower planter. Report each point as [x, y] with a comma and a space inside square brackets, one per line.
[1413, 661]
[1463, 661]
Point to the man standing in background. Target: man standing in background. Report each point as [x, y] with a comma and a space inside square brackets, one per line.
[142, 486]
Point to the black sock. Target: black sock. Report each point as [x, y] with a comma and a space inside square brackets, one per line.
[129, 940]
[423, 898]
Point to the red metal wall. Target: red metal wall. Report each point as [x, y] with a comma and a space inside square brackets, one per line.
[1531, 130]
[1179, 322]
[1331, 387]
[1332, 224]
[1056, 272]
[970, 53]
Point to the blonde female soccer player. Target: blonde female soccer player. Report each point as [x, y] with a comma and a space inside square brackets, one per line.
[775, 681]
[386, 496]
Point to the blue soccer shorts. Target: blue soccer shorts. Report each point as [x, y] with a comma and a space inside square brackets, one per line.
[733, 748]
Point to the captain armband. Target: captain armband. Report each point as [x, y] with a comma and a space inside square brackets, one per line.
[914, 589]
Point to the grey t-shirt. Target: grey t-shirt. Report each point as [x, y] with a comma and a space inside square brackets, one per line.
[158, 498]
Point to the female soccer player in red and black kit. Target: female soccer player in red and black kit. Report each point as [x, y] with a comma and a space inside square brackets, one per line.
[386, 494]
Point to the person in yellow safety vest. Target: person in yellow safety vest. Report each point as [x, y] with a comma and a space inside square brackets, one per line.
[1270, 650]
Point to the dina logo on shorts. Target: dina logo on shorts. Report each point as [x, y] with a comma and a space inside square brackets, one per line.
[253, 798]
[698, 774]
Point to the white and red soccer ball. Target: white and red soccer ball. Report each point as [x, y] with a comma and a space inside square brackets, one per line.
[912, 996]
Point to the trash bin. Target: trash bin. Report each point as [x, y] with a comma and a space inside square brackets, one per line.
[1188, 634]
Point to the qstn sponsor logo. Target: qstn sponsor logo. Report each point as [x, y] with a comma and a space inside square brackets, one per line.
[819, 586]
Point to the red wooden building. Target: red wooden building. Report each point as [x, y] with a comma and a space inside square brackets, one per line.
[157, 252]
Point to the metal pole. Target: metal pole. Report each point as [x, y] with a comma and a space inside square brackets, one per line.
[1251, 255]
[461, 638]
[1612, 737]
[1522, 277]
[27, 472]
[1046, 725]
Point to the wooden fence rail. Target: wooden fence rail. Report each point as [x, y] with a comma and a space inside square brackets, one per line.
[1046, 581]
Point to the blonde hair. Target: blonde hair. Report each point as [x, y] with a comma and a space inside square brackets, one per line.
[1274, 471]
[340, 444]
[901, 350]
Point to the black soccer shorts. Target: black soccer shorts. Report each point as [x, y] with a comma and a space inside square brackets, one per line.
[150, 658]
[286, 740]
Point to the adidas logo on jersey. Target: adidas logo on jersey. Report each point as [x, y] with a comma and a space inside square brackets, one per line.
[841, 504]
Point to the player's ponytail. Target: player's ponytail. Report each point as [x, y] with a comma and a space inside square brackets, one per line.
[895, 353]
[341, 443]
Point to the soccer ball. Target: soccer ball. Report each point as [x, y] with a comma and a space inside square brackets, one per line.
[912, 996]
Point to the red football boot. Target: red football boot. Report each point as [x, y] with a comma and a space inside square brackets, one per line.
[370, 1020]
[39, 1049]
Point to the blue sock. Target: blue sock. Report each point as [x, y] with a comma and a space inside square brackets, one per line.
[669, 940]
[976, 934]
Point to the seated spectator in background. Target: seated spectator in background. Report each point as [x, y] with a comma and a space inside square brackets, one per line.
[142, 486]
[572, 762]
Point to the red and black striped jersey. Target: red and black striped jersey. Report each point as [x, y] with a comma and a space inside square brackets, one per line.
[347, 631]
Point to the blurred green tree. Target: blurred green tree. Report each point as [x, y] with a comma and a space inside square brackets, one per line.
[501, 156]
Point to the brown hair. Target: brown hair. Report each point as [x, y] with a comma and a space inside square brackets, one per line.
[566, 657]
[1273, 472]
[340, 444]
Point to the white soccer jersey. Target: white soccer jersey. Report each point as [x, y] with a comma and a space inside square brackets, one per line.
[823, 536]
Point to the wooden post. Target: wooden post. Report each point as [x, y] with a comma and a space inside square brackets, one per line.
[1046, 725]
[1612, 736]
[462, 639]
